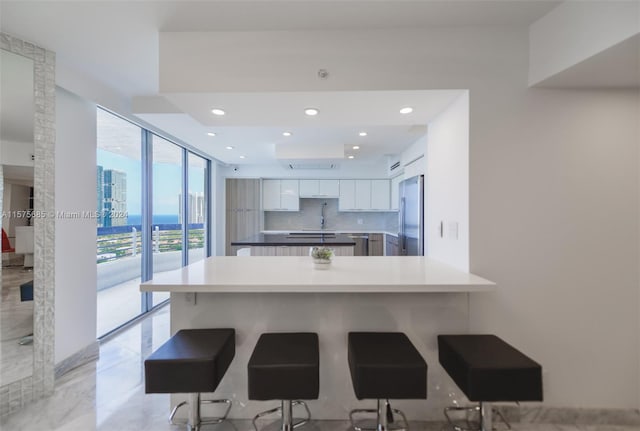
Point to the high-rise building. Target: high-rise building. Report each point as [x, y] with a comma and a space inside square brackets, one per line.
[100, 194]
[114, 198]
[196, 206]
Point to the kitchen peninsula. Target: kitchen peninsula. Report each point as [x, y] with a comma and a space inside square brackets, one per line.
[413, 294]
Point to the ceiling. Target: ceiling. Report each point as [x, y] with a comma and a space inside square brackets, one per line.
[254, 122]
[614, 67]
[116, 43]
[22, 175]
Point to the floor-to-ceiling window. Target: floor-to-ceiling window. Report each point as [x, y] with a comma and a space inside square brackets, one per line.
[119, 206]
[197, 207]
[152, 200]
[167, 203]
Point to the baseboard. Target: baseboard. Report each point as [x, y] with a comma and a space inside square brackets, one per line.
[571, 416]
[84, 356]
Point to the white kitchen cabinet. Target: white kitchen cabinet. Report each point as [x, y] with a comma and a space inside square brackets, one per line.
[395, 192]
[380, 195]
[329, 188]
[319, 188]
[363, 194]
[280, 195]
[308, 188]
[347, 200]
[289, 195]
[270, 195]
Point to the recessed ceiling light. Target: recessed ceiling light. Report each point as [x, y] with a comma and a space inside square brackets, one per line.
[286, 133]
[311, 111]
[407, 110]
[362, 133]
[351, 157]
[229, 147]
[242, 157]
[217, 111]
[211, 134]
[356, 147]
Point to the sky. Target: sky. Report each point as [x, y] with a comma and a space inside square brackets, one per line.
[119, 147]
[166, 182]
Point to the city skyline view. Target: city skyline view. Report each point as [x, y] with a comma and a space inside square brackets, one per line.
[166, 206]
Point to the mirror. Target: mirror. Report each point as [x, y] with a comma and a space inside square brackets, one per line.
[27, 136]
[16, 137]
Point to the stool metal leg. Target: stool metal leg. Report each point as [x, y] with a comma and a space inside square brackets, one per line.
[287, 416]
[286, 412]
[484, 410]
[216, 420]
[384, 416]
[194, 418]
[486, 419]
[174, 411]
[193, 421]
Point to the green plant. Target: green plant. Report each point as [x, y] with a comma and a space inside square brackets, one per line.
[321, 253]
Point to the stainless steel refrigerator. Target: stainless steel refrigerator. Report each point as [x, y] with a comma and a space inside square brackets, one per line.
[411, 235]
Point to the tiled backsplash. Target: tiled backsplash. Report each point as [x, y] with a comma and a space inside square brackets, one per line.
[309, 218]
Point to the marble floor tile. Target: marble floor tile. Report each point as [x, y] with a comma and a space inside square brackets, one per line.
[119, 304]
[109, 396]
[16, 321]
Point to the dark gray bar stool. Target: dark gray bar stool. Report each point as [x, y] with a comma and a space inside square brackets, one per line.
[286, 367]
[487, 369]
[192, 361]
[385, 365]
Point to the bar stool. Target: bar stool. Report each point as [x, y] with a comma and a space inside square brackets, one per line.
[487, 369]
[385, 365]
[192, 361]
[285, 367]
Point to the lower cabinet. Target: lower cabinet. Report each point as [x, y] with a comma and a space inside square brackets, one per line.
[285, 250]
[376, 244]
[392, 248]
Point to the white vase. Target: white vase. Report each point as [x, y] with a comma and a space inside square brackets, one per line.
[321, 263]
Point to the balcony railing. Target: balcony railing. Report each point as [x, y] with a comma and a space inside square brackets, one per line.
[117, 242]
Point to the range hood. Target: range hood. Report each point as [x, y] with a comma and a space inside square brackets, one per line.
[296, 156]
[311, 164]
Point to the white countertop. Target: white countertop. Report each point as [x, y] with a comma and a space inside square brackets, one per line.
[348, 274]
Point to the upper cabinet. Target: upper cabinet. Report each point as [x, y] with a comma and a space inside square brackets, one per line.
[395, 192]
[280, 195]
[364, 195]
[380, 195]
[354, 195]
[347, 201]
[319, 188]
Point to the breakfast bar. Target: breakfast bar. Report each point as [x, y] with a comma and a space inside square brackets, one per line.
[412, 294]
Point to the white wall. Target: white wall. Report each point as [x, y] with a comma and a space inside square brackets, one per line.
[413, 161]
[16, 153]
[553, 185]
[75, 188]
[554, 220]
[447, 185]
[577, 30]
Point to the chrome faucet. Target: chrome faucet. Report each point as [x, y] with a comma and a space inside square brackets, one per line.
[322, 222]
